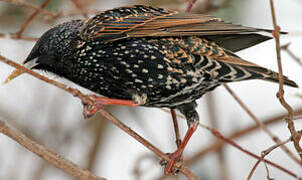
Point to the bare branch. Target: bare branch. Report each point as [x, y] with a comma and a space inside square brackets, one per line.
[291, 54]
[232, 143]
[31, 17]
[28, 5]
[241, 133]
[190, 5]
[14, 36]
[262, 126]
[265, 153]
[48, 155]
[80, 7]
[280, 94]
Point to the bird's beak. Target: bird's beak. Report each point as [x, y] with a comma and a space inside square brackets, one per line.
[28, 64]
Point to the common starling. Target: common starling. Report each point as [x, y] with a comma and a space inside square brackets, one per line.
[152, 57]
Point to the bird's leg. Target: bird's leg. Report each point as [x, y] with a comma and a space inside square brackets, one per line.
[99, 102]
[177, 155]
[176, 129]
[192, 119]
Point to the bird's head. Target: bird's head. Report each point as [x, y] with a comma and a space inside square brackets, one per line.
[52, 49]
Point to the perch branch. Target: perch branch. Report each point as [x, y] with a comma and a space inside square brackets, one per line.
[291, 126]
[48, 155]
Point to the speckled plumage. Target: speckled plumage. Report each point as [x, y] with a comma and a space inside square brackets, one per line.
[166, 58]
[150, 56]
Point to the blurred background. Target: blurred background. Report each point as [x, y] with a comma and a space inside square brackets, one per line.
[54, 118]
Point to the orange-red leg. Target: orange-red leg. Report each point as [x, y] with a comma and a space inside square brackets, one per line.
[176, 156]
[99, 102]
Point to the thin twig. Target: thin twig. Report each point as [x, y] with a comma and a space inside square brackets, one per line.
[64, 87]
[147, 144]
[215, 146]
[280, 94]
[291, 54]
[77, 12]
[212, 109]
[86, 99]
[138, 164]
[28, 5]
[265, 153]
[80, 7]
[98, 135]
[31, 17]
[14, 36]
[232, 143]
[48, 155]
[261, 125]
[176, 128]
[190, 5]
[239, 134]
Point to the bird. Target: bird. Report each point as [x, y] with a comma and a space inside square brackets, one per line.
[152, 57]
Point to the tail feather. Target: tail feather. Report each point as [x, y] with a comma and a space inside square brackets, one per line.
[287, 81]
[270, 75]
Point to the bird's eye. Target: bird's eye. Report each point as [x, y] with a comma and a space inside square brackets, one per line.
[43, 49]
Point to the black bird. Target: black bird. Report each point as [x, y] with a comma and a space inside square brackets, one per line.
[150, 56]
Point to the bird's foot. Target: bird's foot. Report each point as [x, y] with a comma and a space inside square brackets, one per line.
[177, 155]
[99, 102]
[170, 168]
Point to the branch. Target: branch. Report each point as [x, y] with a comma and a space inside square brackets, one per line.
[212, 109]
[262, 126]
[190, 5]
[265, 153]
[14, 36]
[48, 155]
[291, 54]
[27, 5]
[31, 17]
[239, 134]
[80, 7]
[291, 126]
[232, 143]
[99, 130]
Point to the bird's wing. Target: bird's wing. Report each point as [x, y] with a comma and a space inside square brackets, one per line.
[145, 21]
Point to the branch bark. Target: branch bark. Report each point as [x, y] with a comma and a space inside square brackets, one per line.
[48, 155]
[291, 126]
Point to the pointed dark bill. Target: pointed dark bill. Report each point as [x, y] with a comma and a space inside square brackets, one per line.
[18, 72]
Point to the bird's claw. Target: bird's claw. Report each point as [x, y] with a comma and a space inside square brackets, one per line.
[170, 168]
[90, 106]
[90, 110]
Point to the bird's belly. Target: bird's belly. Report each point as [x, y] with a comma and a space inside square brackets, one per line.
[156, 96]
[182, 96]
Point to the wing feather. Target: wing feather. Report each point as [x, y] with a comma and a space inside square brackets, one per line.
[146, 21]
